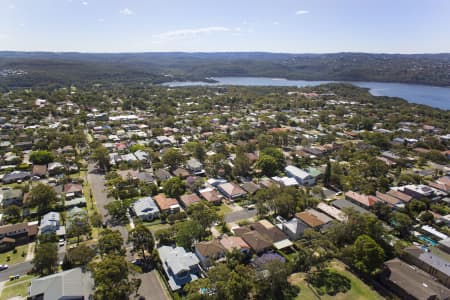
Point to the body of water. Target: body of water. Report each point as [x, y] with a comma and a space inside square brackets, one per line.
[438, 97]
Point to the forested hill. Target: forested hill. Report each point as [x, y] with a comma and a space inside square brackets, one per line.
[26, 69]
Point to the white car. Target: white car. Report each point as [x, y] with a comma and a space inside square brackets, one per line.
[61, 243]
[3, 267]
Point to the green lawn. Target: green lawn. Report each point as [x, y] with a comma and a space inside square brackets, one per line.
[154, 228]
[359, 290]
[223, 210]
[21, 279]
[14, 290]
[14, 257]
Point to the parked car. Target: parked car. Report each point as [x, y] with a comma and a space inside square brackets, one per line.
[3, 267]
[14, 277]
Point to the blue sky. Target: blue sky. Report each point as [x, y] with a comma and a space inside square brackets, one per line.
[301, 26]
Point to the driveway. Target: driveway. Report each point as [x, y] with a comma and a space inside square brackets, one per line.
[151, 287]
[239, 215]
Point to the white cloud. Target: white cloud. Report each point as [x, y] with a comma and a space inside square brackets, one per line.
[184, 33]
[84, 3]
[301, 12]
[276, 23]
[11, 6]
[101, 20]
[126, 12]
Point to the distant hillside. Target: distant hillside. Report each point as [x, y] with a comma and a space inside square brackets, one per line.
[45, 68]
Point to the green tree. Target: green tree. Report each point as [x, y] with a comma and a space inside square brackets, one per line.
[41, 157]
[173, 158]
[426, 217]
[367, 254]
[174, 187]
[142, 240]
[12, 214]
[42, 196]
[188, 232]
[110, 242]
[79, 225]
[277, 154]
[111, 277]
[78, 256]
[117, 209]
[203, 214]
[45, 259]
[268, 165]
[241, 165]
[101, 155]
[402, 223]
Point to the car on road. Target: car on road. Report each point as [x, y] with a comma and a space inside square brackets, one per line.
[14, 277]
[3, 267]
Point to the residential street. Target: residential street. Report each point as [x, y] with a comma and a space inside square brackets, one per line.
[21, 269]
[239, 215]
[97, 183]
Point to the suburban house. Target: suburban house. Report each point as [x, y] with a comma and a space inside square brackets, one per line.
[73, 284]
[431, 263]
[50, 222]
[209, 252]
[211, 195]
[180, 267]
[12, 197]
[73, 190]
[314, 218]
[39, 170]
[195, 166]
[302, 177]
[234, 242]
[412, 283]
[390, 200]
[257, 242]
[54, 168]
[166, 204]
[332, 211]
[16, 176]
[231, 190]
[162, 174]
[12, 235]
[400, 195]
[344, 204]
[189, 199]
[250, 187]
[361, 200]
[444, 245]
[145, 209]
[294, 228]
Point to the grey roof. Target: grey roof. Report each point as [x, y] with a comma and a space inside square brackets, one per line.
[145, 206]
[50, 219]
[70, 283]
[342, 203]
[295, 225]
[177, 259]
[430, 259]
[415, 282]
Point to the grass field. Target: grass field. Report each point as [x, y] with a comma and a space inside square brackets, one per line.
[14, 257]
[223, 210]
[16, 288]
[359, 290]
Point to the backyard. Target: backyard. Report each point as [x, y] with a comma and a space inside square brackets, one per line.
[15, 256]
[359, 290]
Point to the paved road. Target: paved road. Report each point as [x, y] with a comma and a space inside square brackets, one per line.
[151, 287]
[239, 215]
[97, 183]
[21, 269]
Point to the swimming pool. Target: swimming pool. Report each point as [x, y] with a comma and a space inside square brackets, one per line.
[427, 240]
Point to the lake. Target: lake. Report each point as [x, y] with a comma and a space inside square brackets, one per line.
[438, 97]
